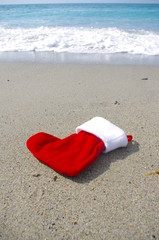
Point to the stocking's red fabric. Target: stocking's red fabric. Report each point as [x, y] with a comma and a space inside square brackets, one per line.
[68, 156]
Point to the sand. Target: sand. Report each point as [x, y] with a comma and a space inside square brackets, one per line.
[113, 198]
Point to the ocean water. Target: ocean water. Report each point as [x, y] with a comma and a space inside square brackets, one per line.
[80, 28]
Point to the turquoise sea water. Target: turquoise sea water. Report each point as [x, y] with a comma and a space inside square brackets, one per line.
[80, 28]
[122, 16]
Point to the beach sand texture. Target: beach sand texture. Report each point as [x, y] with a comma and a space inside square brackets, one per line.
[113, 198]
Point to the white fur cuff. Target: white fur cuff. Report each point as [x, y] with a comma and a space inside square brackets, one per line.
[112, 136]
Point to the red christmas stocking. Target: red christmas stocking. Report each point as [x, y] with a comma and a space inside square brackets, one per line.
[73, 154]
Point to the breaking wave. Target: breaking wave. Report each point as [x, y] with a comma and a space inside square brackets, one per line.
[79, 40]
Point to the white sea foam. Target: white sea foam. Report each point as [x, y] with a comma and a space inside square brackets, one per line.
[79, 40]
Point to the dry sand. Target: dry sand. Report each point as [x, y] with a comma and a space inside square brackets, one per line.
[113, 198]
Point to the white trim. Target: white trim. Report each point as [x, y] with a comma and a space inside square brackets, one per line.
[112, 136]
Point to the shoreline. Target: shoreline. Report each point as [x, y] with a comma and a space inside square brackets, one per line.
[79, 58]
[113, 198]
